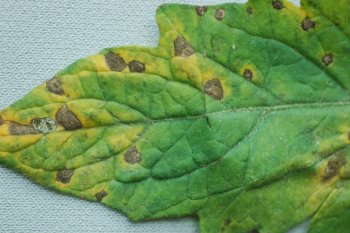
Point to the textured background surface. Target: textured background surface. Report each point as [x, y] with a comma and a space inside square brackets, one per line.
[37, 39]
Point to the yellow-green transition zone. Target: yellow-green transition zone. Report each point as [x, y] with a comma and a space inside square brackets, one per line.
[240, 116]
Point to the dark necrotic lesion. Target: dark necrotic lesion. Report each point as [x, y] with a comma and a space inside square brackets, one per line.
[333, 167]
[115, 62]
[182, 47]
[64, 176]
[308, 24]
[214, 89]
[248, 74]
[137, 66]
[277, 5]
[18, 129]
[327, 59]
[54, 85]
[220, 14]
[132, 155]
[201, 10]
[68, 119]
[100, 195]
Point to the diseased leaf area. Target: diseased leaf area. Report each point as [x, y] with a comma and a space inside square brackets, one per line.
[240, 116]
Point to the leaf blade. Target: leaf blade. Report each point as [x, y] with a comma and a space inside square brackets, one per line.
[223, 109]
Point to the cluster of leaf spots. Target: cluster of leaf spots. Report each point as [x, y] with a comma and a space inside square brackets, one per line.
[240, 116]
[117, 63]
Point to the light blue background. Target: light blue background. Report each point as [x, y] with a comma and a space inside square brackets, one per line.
[37, 39]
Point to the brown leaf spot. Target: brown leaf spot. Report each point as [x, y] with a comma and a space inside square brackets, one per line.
[307, 24]
[182, 47]
[68, 119]
[333, 167]
[54, 86]
[100, 195]
[220, 14]
[132, 156]
[115, 62]
[1, 121]
[214, 89]
[64, 176]
[136, 66]
[248, 74]
[201, 10]
[250, 10]
[18, 129]
[277, 5]
[327, 59]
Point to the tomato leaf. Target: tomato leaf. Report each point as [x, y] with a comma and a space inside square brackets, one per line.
[240, 116]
